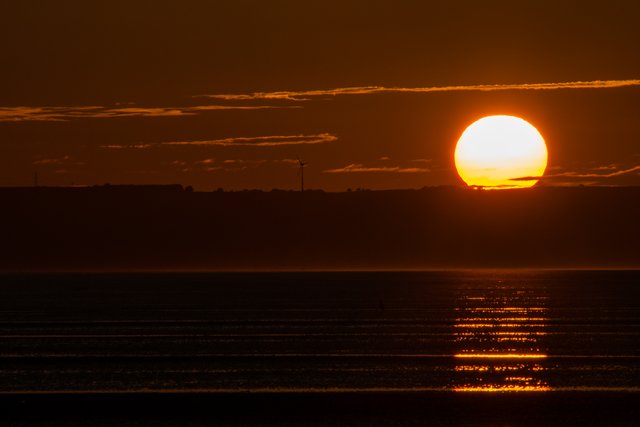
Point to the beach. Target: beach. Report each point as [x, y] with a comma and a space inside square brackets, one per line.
[466, 347]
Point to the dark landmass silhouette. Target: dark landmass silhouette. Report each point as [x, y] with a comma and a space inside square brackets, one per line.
[172, 228]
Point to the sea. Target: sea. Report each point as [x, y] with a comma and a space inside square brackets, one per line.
[457, 337]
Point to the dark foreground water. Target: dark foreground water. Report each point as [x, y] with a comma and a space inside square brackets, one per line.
[570, 337]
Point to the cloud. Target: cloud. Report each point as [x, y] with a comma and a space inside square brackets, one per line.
[128, 146]
[206, 161]
[572, 175]
[611, 167]
[306, 95]
[425, 161]
[235, 165]
[56, 161]
[239, 107]
[212, 165]
[62, 114]
[66, 161]
[359, 167]
[261, 141]
[180, 163]
[243, 162]
[288, 161]
[255, 141]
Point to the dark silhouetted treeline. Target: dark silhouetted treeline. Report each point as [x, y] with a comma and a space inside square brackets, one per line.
[170, 228]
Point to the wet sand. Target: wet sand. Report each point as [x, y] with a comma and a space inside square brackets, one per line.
[459, 348]
[320, 409]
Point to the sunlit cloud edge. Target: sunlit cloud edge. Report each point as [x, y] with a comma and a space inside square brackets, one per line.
[256, 141]
[360, 168]
[581, 175]
[64, 114]
[306, 95]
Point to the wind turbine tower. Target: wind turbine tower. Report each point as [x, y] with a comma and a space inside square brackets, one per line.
[301, 166]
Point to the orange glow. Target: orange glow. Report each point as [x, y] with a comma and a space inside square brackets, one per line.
[498, 336]
[498, 151]
[497, 325]
[499, 333]
[503, 388]
[510, 319]
[499, 356]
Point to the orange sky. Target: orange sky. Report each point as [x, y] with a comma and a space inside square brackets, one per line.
[227, 95]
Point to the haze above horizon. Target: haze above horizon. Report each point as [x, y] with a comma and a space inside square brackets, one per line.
[369, 94]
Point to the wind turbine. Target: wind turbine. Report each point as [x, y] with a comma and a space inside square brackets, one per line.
[301, 166]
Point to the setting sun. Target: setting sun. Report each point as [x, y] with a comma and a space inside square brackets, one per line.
[501, 152]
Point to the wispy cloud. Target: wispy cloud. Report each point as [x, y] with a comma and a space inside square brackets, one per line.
[425, 161]
[359, 168]
[58, 161]
[305, 95]
[255, 141]
[62, 114]
[615, 173]
[58, 165]
[222, 165]
[288, 161]
[243, 162]
[607, 172]
[261, 141]
[206, 161]
[128, 146]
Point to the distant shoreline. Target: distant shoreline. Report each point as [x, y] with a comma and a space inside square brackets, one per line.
[187, 188]
[169, 228]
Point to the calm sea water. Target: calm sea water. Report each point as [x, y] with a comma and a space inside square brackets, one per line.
[467, 332]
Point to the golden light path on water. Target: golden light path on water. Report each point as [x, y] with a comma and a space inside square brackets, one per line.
[500, 356]
[504, 388]
[498, 334]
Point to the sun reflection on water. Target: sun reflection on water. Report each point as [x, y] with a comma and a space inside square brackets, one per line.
[498, 334]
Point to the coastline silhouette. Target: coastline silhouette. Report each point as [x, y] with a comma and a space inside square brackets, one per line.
[170, 227]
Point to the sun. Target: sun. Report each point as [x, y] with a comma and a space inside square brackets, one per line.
[501, 152]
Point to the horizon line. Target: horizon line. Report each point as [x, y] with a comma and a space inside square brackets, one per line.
[309, 190]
